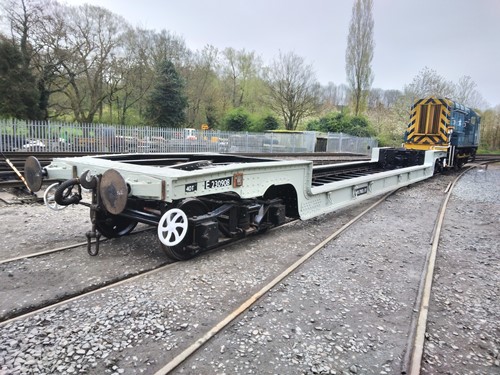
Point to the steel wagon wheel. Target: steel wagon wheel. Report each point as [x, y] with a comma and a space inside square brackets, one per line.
[112, 226]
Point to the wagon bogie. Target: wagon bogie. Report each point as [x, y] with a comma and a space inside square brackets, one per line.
[214, 220]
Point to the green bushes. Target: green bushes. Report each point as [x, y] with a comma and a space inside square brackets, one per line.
[239, 119]
[340, 122]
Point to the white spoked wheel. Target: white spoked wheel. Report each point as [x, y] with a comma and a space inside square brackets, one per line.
[48, 198]
[172, 227]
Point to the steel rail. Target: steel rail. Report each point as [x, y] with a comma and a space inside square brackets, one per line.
[417, 329]
[106, 285]
[62, 248]
[186, 353]
[109, 285]
[413, 357]
[44, 252]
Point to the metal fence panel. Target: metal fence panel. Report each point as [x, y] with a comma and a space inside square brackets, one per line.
[51, 136]
[340, 142]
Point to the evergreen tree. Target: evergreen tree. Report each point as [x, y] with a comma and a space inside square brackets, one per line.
[167, 102]
[270, 123]
[237, 120]
[18, 91]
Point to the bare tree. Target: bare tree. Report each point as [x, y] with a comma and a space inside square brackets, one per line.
[231, 71]
[359, 53]
[91, 41]
[467, 94]
[343, 95]
[24, 16]
[329, 95]
[429, 83]
[28, 21]
[294, 91]
[391, 97]
[375, 98]
[490, 129]
[426, 83]
[52, 51]
[135, 64]
[239, 67]
[166, 46]
[201, 75]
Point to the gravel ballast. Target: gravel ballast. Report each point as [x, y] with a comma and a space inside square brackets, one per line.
[463, 331]
[348, 310]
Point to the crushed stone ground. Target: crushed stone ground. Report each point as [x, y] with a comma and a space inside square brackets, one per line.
[346, 311]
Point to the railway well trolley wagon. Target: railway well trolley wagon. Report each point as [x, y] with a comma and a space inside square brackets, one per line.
[201, 201]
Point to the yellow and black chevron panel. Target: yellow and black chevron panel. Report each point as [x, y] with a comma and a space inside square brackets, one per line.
[429, 122]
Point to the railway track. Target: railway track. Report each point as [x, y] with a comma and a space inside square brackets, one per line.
[45, 252]
[198, 342]
[411, 363]
[19, 310]
[32, 309]
[61, 248]
[413, 353]
[249, 302]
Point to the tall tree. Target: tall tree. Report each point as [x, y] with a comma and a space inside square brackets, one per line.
[26, 19]
[49, 37]
[426, 83]
[201, 85]
[18, 93]
[92, 38]
[490, 129]
[359, 53]
[293, 89]
[23, 17]
[238, 69]
[429, 83]
[167, 103]
[134, 71]
[467, 94]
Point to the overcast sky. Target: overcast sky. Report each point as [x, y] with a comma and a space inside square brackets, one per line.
[453, 37]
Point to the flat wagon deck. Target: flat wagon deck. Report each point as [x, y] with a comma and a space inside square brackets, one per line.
[200, 201]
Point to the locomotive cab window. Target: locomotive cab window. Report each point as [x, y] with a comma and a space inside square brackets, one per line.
[458, 120]
[429, 119]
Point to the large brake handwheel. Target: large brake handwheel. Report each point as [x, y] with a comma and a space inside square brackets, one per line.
[178, 239]
[49, 200]
[172, 227]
